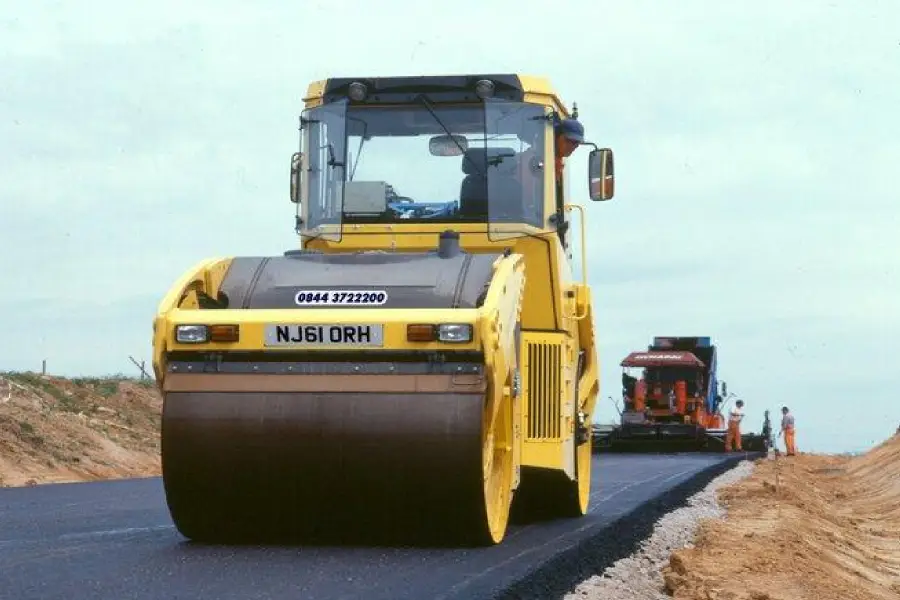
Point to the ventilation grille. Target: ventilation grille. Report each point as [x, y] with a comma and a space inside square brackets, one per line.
[544, 373]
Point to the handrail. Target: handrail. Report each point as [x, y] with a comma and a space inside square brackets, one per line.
[583, 245]
[568, 207]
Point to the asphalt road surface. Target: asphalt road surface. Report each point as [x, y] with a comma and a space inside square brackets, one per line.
[115, 540]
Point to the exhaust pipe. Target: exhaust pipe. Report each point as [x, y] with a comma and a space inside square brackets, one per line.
[448, 244]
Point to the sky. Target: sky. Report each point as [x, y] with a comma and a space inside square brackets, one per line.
[756, 144]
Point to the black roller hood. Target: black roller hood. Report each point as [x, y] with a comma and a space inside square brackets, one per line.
[411, 280]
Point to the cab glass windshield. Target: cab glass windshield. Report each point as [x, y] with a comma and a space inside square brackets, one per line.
[423, 163]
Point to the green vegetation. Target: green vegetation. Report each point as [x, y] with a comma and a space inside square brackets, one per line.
[105, 385]
[109, 385]
[74, 400]
[31, 376]
[35, 381]
[27, 433]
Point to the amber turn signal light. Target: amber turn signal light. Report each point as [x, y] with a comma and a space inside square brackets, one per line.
[420, 333]
[223, 333]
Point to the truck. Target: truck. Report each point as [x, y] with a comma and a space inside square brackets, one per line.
[675, 403]
[425, 362]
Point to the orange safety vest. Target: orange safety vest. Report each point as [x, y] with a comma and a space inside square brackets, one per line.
[681, 396]
[640, 395]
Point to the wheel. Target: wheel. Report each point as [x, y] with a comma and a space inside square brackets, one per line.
[498, 466]
[548, 494]
[578, 505]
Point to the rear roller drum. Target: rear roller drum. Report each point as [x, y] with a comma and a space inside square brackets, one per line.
[546, 494]
[581, 492]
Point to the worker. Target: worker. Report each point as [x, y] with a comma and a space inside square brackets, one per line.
[733, 436]
[640, 395]
[569, 134]
[628, 383]
[697, 410]
[767, 430]
[681, 404]
[787, 428]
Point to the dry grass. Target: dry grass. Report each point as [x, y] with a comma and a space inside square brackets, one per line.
[56, 429]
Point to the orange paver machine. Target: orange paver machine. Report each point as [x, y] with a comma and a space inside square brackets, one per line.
[672, 401]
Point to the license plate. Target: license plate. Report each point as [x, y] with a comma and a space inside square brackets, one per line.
[325, 335]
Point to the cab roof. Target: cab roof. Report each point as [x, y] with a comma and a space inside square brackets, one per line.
[440, 88]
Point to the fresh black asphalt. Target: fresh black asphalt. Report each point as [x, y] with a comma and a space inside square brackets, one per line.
[114, 540]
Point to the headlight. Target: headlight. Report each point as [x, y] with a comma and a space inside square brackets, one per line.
[357, 91]
[191, 334]
[449, 332]
[199, 334]
[484, 88]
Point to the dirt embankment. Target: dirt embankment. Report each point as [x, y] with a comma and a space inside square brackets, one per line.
[805, 527]
[58, 429]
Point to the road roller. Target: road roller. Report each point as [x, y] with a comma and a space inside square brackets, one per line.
[424, 362]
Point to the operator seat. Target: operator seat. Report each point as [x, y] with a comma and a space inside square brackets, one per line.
[505, 191]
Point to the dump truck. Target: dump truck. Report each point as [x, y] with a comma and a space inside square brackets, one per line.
[675, 403]
[425, 361]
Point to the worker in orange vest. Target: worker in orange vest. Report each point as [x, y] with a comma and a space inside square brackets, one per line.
[787, 428]
[733, 436]
[569, 134]
[640, 395]
[681, 397]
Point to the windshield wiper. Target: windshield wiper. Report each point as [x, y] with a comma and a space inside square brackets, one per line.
[332, 161]
[362, 139]
[427, 104]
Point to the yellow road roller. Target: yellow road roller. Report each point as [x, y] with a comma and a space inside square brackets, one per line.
[424, 363]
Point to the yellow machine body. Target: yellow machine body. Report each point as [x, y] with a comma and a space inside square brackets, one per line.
[404, 370]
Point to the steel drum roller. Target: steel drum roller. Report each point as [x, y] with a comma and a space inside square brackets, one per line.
[347, 455]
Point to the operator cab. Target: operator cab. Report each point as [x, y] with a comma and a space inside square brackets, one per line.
[420, 157]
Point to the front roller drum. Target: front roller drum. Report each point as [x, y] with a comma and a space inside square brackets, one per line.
[354, 458]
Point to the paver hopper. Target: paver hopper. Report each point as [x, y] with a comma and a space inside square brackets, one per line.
[426, 360]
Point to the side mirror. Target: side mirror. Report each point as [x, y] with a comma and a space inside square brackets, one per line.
[724, 389]
[601, 175]
[296, 161]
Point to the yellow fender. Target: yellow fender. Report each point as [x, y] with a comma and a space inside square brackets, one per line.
[502, 310]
